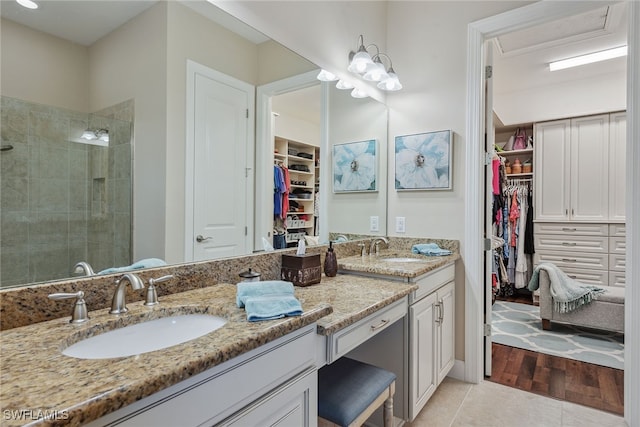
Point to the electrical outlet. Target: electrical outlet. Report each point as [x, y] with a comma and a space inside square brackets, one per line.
[374, 223]
[400, 223]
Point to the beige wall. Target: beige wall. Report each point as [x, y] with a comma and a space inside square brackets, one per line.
[352, 120]
[43, 69]
[129, 63]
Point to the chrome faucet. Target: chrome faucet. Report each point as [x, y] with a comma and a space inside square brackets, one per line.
[118, 305]
[83, 267]
[376, 243]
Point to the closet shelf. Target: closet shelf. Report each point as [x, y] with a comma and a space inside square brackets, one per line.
[520, 175]
[514, 152]
[300, 172]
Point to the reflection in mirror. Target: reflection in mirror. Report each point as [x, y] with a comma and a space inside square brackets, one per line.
[65, 199]
[57, 76]
[356, 120]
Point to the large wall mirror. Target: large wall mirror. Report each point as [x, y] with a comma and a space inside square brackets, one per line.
[66, 198]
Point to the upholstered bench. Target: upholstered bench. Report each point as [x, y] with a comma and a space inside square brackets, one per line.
[350, 391]
[606, 312]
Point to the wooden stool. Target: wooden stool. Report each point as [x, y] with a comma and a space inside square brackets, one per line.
[350, 391]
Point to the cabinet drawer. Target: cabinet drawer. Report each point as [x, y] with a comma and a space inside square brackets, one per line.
[617, 262]
[591, 277]
[349, 338]
[573, 259]
[617, 230]
[617, 278]
[617, 245]
[571, 228]
[432, 281]
[555, 242]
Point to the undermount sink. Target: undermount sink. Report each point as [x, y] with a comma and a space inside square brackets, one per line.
[407, 259]
[145, 337]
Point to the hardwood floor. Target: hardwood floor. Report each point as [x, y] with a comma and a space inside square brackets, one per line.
[556, 377]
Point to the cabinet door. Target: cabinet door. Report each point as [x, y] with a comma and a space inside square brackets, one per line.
[292, 405]
[552, 179]
[446, 330]
[422, 353]
[617, 165]
[590, 168]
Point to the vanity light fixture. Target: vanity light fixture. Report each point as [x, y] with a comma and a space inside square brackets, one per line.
[29, 4]
[370, 68]
[590, 58]
[343, 84]
[326, 76]
[358, 93]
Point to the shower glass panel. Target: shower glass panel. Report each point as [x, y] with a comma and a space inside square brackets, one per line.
[64, 199]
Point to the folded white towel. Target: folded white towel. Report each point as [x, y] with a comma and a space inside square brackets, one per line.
[246, 290]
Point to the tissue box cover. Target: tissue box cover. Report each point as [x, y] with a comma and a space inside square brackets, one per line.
[301, 270]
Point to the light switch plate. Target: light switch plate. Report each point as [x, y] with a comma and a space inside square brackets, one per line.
[374, 222]
[400, 224]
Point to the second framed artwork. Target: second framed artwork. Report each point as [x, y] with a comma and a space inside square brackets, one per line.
[424, 161]
[355, 166]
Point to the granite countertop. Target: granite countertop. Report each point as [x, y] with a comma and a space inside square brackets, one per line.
[36, 377]
[375, 265]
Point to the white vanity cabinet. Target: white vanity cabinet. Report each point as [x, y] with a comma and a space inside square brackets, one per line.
[431, 336]
[275, 384]
[419, 350]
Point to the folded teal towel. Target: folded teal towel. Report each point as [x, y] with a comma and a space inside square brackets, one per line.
[246, 290]
[270, 307]
[143, 263]
[429, 249]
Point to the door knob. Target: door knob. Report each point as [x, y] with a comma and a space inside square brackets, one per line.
[200, 238]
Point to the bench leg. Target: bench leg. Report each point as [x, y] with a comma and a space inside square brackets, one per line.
[546, 324]
[388, 412]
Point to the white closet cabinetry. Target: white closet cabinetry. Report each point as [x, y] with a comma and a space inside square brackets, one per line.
[617, 165]
[579, 169]
[572, 167]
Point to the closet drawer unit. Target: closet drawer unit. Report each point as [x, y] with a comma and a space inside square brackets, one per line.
[617, 278]
[617, 245]
[571, 228]
[617, 262]
[556, 242]
[573, 259]
[592, 277]
[617, 230]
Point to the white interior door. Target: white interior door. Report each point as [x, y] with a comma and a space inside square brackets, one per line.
[488, 253]
[222, 184]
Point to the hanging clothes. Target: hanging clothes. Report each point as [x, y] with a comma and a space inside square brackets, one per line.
[513, 222]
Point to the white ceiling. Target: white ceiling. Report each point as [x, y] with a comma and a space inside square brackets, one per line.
[520, 59]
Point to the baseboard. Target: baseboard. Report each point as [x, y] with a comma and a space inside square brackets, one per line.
[457, 371]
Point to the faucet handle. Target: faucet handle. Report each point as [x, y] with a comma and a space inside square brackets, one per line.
[152, 294]
[363, 249]
[79, 313]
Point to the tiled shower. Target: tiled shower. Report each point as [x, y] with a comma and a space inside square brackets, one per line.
[63, 200]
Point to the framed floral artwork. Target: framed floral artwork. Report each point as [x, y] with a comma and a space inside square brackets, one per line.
[355, 166]
[423, 161]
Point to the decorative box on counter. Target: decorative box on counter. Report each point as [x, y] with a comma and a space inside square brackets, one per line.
[301, 270]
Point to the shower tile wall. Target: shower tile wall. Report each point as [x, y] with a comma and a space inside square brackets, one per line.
[48, 217]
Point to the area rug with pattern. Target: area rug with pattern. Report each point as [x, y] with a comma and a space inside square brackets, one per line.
[519, 325]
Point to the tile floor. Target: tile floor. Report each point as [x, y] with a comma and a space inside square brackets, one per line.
[488, 404]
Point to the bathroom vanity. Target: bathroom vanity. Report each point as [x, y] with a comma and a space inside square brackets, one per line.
[243, 373]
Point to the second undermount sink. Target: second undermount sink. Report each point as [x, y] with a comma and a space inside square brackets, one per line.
[407, 259]
[145, 337]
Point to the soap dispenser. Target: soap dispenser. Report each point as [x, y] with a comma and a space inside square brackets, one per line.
[330, 262]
